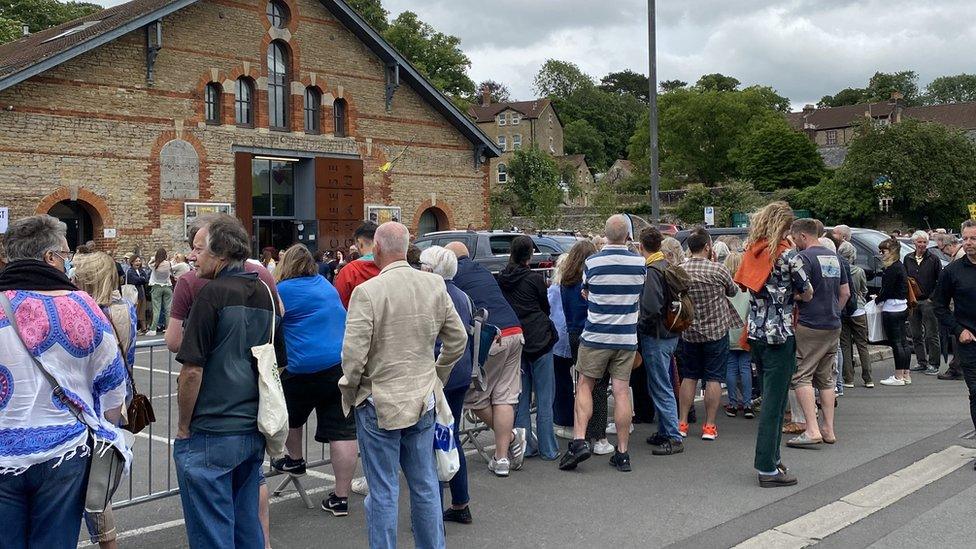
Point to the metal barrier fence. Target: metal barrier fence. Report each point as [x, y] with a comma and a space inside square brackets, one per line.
[153, 476]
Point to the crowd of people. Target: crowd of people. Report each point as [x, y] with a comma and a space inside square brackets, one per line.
[625, 329]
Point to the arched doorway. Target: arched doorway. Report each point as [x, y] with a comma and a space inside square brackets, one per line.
[432, 220]
[81, 226]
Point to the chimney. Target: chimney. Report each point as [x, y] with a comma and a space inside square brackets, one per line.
[485, 96]
[898, 101]
[808, 108]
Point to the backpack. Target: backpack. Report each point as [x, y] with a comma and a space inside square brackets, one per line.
[482, 336]
[679, 309]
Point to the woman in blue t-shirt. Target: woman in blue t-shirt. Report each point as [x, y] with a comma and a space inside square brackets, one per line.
[314, 323]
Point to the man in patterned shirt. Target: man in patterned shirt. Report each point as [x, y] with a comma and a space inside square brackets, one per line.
[773, 274]
[703, 351]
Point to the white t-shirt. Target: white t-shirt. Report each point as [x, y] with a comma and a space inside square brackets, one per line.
[894, 305]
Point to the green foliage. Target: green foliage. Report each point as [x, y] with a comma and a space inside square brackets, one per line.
[579, 137]
[772, 155]
[435, 54]
[846, 96]
[768, 97]
[839, 199]
[38, 15]
[605, 201]
[671, 85]
[533, 183]
[372, 11]
[614, 116]
[560, 79]
[931, 170]
[500, 208]
[627, 82]
[499, 92]
[951, 89]
[880, 87]
[717, 82]
[736, 197]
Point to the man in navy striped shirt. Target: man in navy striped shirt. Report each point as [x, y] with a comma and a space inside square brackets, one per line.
[612, 283]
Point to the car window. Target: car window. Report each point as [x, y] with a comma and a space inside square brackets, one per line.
[545, 248]
[423, 244]
[502, 244]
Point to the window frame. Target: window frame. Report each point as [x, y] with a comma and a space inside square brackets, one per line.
[340, 118]
[502, 118]
[284, 15]
[516, 119]
[313, 111]
[281, 89]
[516, 142]
[831, 137]
[501, 173]
[244, 83]
[212, 103]
[502, 141]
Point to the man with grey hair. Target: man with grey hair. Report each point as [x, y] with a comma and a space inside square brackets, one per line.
[613, 280]
[218, 450]
[842, 233]
[924, 268]
[949, 244]
[393, 382]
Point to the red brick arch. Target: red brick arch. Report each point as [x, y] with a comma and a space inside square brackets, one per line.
[443, 211]
[96, 207]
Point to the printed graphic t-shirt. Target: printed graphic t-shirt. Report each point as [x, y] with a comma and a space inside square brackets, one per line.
[822, 267]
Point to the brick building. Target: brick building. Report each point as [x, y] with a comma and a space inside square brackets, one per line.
[293, 114]
[516, 124]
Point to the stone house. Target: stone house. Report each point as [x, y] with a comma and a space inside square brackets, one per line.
[620, 171]
[295, 115]
[833, 128]
[583, 175]
[517, 124]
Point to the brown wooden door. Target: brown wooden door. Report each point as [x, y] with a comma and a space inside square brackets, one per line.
[339, 201]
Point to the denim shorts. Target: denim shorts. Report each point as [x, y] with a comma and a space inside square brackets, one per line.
[706, 360]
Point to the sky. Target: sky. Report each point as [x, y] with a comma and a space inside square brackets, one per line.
[805, 49]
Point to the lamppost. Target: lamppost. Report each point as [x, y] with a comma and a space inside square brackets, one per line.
[652, 118]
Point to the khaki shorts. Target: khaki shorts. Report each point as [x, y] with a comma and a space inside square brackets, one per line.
[595, 363]
[503, 375]
[816, 353]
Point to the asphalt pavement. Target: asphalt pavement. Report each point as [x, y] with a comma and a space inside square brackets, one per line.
[706, 497]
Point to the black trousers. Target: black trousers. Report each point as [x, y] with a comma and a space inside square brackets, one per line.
[894, 327]
[967, 363]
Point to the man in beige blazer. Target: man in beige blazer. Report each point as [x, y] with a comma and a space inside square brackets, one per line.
[393, 381]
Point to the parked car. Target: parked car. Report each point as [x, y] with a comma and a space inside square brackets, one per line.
[565, 239]
[492, 248]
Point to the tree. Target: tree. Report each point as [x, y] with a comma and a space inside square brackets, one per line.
[835, 201]
[717, 82]
[579, 137]
[533, 181]
[768, 97]
[627, 81]
[497, 91]
[605, 201]
[951, 89]
[772, 155]
[879, 89]
[847, 96]
[435, 54]
[671, 85]
[372, 11]
[613, 116]
[38, 15]
[560, 79]
[734, 198]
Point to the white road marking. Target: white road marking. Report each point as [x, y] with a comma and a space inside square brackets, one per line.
[156, 370]
[166, 396]
[157, 438]
[811, 528]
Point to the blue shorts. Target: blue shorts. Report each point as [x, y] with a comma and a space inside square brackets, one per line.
[706, 360]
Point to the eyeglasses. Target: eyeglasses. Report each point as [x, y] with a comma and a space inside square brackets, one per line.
[65, 255]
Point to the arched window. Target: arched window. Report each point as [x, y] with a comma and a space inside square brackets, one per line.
[278, 79]
[244, 102]
[502, 173]
[277, 14]
[313, 109]
[211, 101]
[341, 118]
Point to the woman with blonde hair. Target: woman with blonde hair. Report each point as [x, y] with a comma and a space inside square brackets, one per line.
[672, 251]
[893, 299]
[562, 356]
[96, 274]
[772, 272]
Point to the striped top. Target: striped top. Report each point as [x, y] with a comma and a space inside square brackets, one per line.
[614, 279]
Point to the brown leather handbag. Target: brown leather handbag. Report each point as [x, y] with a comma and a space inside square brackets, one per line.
[139, 412]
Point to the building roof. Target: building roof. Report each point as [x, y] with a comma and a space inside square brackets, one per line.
[44, 50]
[528, 109]
[956, 115]
[575, 160]
[624, 165]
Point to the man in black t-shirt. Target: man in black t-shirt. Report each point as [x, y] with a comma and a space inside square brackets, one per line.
[218, 450]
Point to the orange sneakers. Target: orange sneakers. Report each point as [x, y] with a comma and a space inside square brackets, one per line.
[709, 431]
[683, 429]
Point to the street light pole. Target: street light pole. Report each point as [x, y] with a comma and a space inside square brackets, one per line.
[652, 118]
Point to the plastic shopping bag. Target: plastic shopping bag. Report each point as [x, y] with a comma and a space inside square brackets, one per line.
[872, 313]
[445, 450]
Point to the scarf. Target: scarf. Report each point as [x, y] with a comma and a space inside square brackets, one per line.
[656, 256]
[33, 275]
[757, 265]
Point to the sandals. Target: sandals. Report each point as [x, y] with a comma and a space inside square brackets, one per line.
[803, 441]
[792, 428]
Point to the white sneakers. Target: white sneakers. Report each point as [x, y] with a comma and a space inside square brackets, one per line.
[892, 381]
[500, 467]
[516, 451]
[612, 428]
[564, 432]
[602, 447]
[151, 333]
[360, 487]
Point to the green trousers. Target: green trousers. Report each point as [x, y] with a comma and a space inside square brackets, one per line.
[778, 364]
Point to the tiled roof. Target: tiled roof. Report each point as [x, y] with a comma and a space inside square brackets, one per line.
[575, 160]
[839, 117]
[528, 109]
[956, 115]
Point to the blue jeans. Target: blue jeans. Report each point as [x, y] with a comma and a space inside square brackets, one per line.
[219, 477]
[459, 484]
[42, 506]
[564, 397]
[538, 376]
[657, 355]
[384, 453]
[739, 371]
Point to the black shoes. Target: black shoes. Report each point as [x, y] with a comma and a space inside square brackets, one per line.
[337, 506]
[657, 439]
[668, 447]
[620, 460]
[579, 451]
[917, 368]
[781, 478]
[950, 375]
[288, 465]
[749, 413]
[461, 516]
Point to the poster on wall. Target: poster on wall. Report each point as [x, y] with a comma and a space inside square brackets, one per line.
[4, 219]
[381, 214]
[193, 210]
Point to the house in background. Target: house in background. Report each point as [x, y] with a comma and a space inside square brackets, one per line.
[833, 128]
[584, 178]
[621, 171]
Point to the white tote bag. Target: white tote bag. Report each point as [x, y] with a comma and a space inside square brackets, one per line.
[445, 450]
[130, 293]
[872, 313]
[272, 411]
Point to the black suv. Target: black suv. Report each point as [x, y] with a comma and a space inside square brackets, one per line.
[492, 248]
